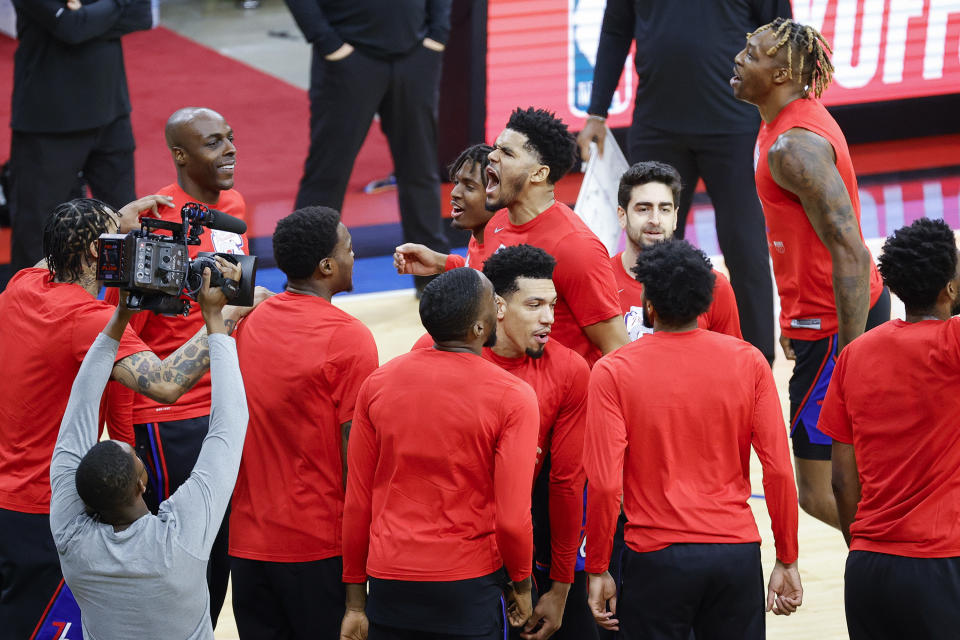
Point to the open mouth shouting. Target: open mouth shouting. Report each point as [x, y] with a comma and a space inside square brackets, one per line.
[541, 336]
[493, 181]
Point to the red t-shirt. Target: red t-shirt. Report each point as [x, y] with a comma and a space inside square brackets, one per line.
[477, 254]
[288, 501]
[559, 378]
[47, 329]
[585, 283]
[166, 334]
[440, 467]
[802, 265]
[893, 396]
[722, 316]
[675, 444]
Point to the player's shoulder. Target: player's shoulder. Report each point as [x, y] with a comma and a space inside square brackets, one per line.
[563, 358]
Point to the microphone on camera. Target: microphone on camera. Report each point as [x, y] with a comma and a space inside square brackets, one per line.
[213, 219]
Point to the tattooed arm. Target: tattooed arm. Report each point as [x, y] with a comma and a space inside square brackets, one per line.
[165, 381]
[804, 163]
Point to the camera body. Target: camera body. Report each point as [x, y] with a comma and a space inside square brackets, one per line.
[157, 269]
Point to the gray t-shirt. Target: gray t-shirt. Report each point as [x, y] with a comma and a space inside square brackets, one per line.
[149, 580]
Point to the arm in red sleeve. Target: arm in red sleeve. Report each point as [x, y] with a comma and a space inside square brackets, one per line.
[362, 455]
[566, 474]
[454, 262]
[584, 279]
[604, 444]
[119, 413]
[770, 443]
[723, 315]
[512, 478]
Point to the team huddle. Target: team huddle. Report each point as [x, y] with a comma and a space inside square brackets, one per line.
[565, 453]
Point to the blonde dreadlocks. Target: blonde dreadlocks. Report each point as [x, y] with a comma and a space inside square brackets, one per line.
[812, 50]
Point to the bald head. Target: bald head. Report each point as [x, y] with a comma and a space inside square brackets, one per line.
[201, 143]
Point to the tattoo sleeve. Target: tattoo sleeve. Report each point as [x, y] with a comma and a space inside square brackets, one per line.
[802, 162]
[165, 381]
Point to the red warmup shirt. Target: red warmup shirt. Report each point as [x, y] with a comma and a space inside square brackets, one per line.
[722, 316]
[585, 283]
[675, 444]
[47, 329]
[166, 334]
[802, 265]
[288, 502]
[477, 254]
[893, 396]
[559, 378]
[440, 466]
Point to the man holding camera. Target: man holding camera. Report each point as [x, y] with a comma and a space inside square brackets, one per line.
[51, 317]
[168, 437]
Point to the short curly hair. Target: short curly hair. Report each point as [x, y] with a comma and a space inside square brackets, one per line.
[918, 261]
[521, 261]
[642, 173]
[548, 137]
[105, 477]
[476, 155]
[68, 232]
[450, 304]
[677, 279]
[304, 238]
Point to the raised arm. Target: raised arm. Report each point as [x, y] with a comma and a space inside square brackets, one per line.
[79, 427]
[72, 26]
[201, 501]
[804, 164]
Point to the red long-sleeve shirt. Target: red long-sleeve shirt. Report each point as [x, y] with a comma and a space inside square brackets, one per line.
[440, 465]
[559, 378]
[670, 422]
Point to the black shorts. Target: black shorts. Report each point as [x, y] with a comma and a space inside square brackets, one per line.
[714, 590]
[894, 597]
[288, 600]
[812, 371]
[471, 608]
[34, 600]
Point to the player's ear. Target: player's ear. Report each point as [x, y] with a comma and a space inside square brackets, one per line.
[540, 175]
[622, 217]
[501, 306]
[326, 267]
[179, 155]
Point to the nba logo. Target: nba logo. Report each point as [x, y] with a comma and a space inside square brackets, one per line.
[585, 19]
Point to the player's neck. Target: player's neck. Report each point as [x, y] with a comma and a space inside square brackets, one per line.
[127, 516]
[629, 258]
[478, 233]
[197, 192]
[311, 287]
[459, 346]
[505, 348]
[87, 280]
[936, 313]
[662, 327]
[530, 205]
[776, 103]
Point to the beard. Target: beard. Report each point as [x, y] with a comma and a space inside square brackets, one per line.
[955, 308]
[492, 338]
[645, 319]
[509, 192]
[536, 353]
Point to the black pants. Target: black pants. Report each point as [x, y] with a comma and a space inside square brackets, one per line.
[714, 590]
[344, 96]
[33, 596]
[898, 597]
[169, 450]
[380, 632]
[45, 169]
[288, 600]
[725, 162]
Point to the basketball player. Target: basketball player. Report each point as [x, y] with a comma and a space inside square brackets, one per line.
[521, 278]
[830, 291]
[440, 465]
[647, 213]
[892, 413]
[674, 442]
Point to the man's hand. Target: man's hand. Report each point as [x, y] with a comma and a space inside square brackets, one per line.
[433, 45]
[418, 260]
[213, 300]
[519, 599]
[784, 593]
[594, 130]
[354, 625]
[345, 50]
[601, 595]
[128, 217]
[548, 614]
[121, 316]
[787, 347]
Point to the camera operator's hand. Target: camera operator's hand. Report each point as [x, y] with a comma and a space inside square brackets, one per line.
[128, 217]
[232, 314]
[212, 300]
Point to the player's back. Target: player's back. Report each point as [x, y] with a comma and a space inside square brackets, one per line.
[441, 421]
[690, 404]
[898, 387]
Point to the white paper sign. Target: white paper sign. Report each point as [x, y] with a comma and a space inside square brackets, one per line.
[597, 201]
